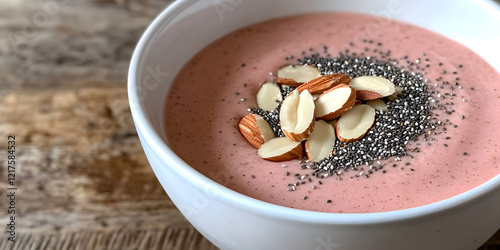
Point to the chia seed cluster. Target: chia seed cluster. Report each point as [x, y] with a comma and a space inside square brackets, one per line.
[406, 119]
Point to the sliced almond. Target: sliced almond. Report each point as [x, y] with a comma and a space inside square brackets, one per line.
[269, 96]
[372, 87]
[396, 94]
[335, 102]
[294, 75]
[255, 129]
[297, 115]
[333, 123]
[355, 123]
[281, 149]
[320, 144]
[323, 83]
[377, 104]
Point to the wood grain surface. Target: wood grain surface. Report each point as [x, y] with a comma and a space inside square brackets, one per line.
[83, 181]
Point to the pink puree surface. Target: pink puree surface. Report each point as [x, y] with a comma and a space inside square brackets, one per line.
[203, 110]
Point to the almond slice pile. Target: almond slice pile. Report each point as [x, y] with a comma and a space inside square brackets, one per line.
[321, 109]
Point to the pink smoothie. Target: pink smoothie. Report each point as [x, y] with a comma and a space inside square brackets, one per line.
[213, 91]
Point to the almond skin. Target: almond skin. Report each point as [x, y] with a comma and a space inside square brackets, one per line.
[287, 81]
[367, 95]
[256, 135]
[324, 83]
[300, 136]
[351, 99]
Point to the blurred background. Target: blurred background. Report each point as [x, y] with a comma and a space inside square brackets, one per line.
[83, 181]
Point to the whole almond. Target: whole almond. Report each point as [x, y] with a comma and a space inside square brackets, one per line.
[323, 83]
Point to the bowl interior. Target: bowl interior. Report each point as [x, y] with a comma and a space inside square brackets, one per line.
[188, 26]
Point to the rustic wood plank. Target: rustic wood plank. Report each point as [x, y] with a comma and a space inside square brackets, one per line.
[83, 179]
[174, 238]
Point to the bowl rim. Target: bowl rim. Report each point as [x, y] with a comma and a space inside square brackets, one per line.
[152, 138]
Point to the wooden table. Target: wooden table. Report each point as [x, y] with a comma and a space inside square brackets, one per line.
[82, 179]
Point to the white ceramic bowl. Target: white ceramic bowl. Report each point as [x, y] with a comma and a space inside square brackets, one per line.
[233, 221]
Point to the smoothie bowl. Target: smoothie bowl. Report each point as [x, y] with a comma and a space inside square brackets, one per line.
[200, 65]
